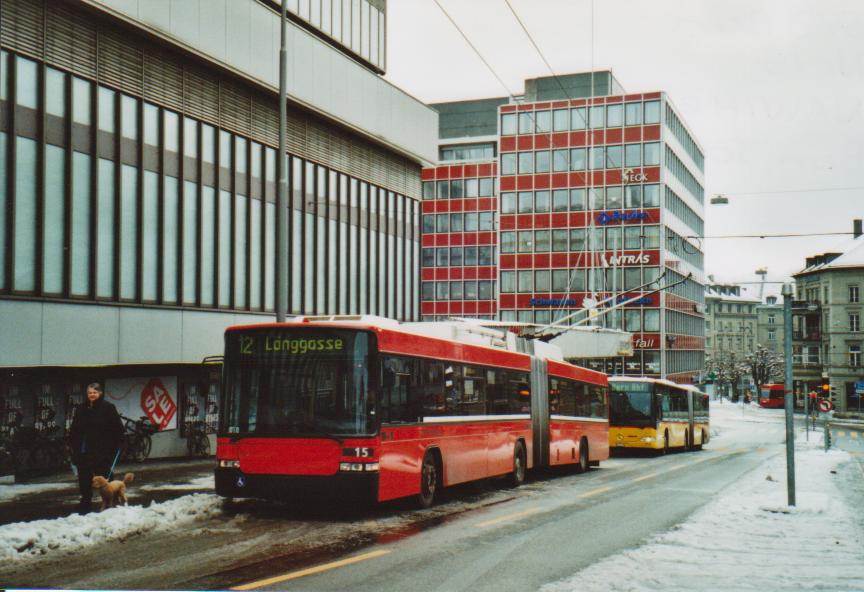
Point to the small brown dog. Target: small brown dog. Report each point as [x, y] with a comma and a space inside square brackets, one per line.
[113, 492]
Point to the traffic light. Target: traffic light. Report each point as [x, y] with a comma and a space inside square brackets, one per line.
[826, 388]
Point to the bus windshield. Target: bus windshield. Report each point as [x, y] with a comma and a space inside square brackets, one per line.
[298, 382]
[630, 403]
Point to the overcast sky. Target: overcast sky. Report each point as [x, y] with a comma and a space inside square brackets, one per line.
[773, 90]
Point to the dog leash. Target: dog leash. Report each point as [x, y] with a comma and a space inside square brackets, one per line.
[111, 472]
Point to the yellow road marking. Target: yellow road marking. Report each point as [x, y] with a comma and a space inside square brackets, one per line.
[594, 492]
[312, 570]
[643, 477]
[509, 517]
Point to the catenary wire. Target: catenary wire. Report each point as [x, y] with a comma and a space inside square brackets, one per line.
[780, 191]
[474, 48]
[785, 235]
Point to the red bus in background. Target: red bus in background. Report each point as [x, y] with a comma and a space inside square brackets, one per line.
[382, 410]
[771, 396]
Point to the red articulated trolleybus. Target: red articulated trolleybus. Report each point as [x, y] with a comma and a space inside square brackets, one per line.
[772, 396]
[381, 410]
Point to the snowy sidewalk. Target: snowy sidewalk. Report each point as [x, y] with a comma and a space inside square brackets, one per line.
[747, 538]
[56, 496]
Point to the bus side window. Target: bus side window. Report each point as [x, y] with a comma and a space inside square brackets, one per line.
[496, 395]
[598, 402]
[474, 391]
[432, 387]
[518, 390]
[663, 410]
[569, 388]
[398, 390]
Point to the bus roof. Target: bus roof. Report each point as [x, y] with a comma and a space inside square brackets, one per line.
[662, 381]
[431, 341]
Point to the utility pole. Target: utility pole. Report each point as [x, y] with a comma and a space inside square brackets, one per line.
[281, 281]
[789, 397]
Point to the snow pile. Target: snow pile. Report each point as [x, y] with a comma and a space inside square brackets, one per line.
[26, 540]
[749, 539]
[207, 482]
[10, 492]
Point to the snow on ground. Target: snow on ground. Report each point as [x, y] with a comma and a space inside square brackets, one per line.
[207, 482]
[747, 538]
[10, 492]
[28, 540]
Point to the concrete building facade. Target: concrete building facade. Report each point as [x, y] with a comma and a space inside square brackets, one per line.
[827, 335]
[138, 169]
[731, 321]
[594, 192]
[769, 325]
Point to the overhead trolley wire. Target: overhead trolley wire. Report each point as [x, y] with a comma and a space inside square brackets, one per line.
[474, 48]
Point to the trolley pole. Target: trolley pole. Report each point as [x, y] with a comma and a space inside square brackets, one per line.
[281, 259]
[789, 397]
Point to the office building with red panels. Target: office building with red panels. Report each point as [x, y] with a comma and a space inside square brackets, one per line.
[597, 192]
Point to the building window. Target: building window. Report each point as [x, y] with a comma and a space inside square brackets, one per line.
[854, 322]
[508, 163]
[652, 112]
[651, 154]
[771, 319]
[508, 124]
[853, 294]
[633, 113]
[772, 335]
[855, 355]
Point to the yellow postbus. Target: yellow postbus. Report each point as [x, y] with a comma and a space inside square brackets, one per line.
[656, 414]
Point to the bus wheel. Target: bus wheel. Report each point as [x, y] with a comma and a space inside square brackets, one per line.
[520, 466]
[583, 465]
[429, 480]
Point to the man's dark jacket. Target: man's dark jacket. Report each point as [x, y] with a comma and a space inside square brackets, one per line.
[96, 433]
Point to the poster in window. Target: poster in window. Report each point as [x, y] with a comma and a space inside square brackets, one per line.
[153, 397]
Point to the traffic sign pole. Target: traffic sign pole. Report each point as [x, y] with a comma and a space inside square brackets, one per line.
[790, 417]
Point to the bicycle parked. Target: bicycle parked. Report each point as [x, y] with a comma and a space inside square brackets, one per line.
[197, 441]
[137, 438]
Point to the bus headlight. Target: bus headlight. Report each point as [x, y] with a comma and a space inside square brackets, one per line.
[229, 464]
[648, 439]
[351, 467]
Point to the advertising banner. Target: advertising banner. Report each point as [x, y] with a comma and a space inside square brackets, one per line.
[154, 397]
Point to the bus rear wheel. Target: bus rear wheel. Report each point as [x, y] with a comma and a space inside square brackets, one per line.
[584, 464]
[429, 480]
[520, 465]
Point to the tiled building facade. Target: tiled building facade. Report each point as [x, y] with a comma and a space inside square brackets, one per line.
[597, 192]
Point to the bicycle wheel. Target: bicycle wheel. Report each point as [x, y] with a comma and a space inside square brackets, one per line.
[135, 448]
[146, 445]
[203, 444]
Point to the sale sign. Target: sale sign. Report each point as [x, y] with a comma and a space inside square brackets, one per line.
[157, 403]
[154, 397]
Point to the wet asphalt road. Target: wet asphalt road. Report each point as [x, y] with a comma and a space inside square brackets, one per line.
[480, 537]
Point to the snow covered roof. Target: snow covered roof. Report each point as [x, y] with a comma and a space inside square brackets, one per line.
[717, 293]
[852, 255]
